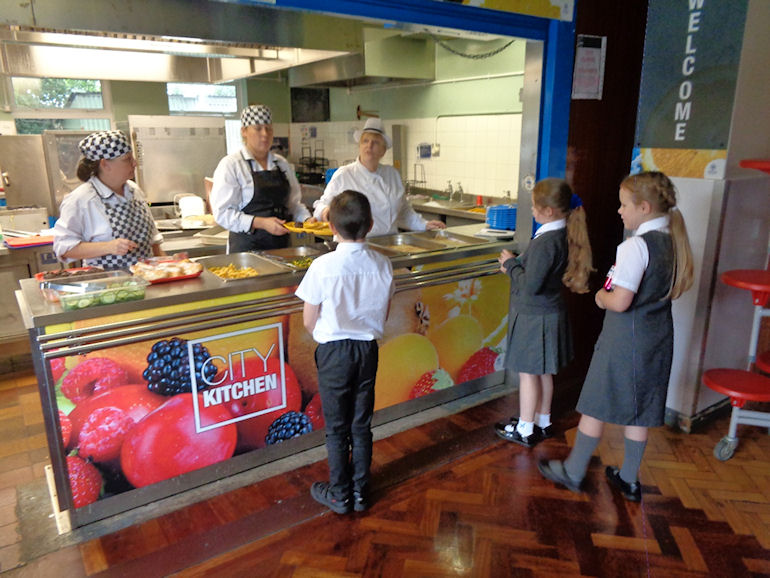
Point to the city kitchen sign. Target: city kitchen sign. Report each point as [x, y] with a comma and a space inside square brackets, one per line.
[252, 372]
[691, 55]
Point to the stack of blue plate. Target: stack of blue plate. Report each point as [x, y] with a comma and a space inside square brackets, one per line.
[502, 217]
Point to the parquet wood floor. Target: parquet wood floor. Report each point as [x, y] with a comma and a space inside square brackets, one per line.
[454, 500]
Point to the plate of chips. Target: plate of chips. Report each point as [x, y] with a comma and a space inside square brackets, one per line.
[320, 228]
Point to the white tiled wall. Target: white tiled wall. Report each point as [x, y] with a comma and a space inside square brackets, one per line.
[481, 152]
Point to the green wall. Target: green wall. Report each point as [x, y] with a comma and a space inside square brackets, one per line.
[498, 93]
[273, 93]
[147, 98]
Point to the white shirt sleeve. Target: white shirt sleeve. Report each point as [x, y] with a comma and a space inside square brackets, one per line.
[309, 289]
[631, 260]
[333, 188]
[227, 193]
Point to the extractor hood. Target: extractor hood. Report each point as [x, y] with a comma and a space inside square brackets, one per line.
[110, 56]
[393, 59]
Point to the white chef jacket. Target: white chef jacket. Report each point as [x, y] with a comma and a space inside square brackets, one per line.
[233, 188]
[353, 285]
[385, 192]
[633, 256]
[84, 219]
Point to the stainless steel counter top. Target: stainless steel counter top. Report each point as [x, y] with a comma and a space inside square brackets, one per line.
[38, 312]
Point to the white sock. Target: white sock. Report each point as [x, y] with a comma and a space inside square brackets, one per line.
[543, 420]
[525, 428]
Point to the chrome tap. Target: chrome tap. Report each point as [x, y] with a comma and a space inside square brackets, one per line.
[448, 189]
[459, 191]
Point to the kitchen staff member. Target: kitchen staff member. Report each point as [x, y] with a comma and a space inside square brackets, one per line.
[380, 183]
[255, 191]
[106, 221]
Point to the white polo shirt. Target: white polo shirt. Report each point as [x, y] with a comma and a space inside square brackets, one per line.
[353, 284]
[632, 255]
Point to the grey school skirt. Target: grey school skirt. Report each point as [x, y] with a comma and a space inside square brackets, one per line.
[538, 344]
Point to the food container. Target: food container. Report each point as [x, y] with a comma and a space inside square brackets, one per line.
[261, 265]
[406, 243]
[106, 289]
[166, 268]
[63, 276]
[296, 257]
[449, 239]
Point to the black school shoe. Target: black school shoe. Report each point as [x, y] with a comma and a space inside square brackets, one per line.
[544, 432]
[631, 492]
[554, 470]
[322, 494]
[360, 501]
[514, 436]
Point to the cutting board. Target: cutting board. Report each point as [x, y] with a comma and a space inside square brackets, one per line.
[24, 242]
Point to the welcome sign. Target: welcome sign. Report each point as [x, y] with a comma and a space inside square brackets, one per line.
[691, 56]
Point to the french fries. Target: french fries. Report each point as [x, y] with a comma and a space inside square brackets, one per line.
[233, 272]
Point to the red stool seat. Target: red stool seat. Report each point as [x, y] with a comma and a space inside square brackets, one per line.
[741, 386]
[763, 362]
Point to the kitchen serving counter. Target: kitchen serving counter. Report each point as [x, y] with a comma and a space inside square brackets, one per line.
[215, 365]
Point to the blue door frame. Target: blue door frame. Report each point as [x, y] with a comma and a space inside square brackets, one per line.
[558, 50]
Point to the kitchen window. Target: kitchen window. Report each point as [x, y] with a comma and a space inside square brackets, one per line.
[60, 104]
[202, 99]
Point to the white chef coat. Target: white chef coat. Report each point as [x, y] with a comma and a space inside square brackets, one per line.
[353, 285]
[385, 192]
[233, 188]
[84, 219]
[632, 255]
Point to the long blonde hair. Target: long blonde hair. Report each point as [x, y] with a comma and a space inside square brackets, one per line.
[658, 190]
[557, 194]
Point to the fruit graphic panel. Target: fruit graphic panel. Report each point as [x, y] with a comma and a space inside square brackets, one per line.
[138, 414]
[442, 335]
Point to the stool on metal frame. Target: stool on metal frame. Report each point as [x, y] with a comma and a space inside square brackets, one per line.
[744, 385]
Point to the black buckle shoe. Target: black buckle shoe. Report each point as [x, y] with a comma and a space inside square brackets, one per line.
[554, 470]
[544, 432]
[322, 494]
[509, 432]
[360, 501]
[631, 492]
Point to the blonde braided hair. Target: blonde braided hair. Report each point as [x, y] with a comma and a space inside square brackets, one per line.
[658, 190]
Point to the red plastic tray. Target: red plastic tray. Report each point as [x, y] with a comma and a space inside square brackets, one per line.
[181, 277]
[22, 243]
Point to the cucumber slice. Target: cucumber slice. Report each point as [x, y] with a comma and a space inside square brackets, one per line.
[108, 298]
[83, 303]
[122, 295]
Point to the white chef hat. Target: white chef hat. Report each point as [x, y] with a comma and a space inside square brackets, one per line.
[256, 114]
[106, 144]
[374, 125]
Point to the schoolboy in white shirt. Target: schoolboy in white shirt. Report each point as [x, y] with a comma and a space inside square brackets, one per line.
[347, 297]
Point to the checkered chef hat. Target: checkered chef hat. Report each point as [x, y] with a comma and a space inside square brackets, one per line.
[106, 144]
[256, 114]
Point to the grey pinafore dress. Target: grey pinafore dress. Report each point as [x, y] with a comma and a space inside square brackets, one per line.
[539, 337]
[627, 380]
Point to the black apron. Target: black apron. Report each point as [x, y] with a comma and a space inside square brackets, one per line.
[129, 220]
[271, 192]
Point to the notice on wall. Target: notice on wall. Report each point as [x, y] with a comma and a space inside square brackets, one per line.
[588, 74]
[691, 56]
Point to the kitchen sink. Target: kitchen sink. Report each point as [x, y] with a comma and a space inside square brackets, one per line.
[447, 204]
